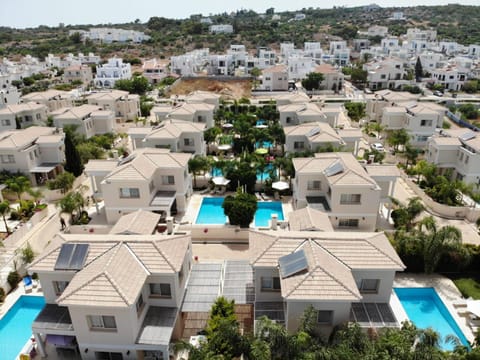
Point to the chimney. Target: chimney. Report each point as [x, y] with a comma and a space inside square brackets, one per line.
[274, 221]
[169, 225]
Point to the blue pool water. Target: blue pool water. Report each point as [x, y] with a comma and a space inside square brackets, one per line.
[16, 325]
[265, 175]
[217, 172]
[260, 122]
[211, 212]
[425, 309]
[263, 144]
[265, 211]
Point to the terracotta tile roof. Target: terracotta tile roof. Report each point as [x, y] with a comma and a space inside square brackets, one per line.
[78, 112]
[326, 278]
[356, 250]
[382, 170]
[13, 139]
[353, 173]
[446, 140]
[117, 266]
[275, 69]
[146, 161]
[331, 258]
[137, 223]
[308, 219]
[326, 69]
[114, 279]
[110, 95]
[174, 128]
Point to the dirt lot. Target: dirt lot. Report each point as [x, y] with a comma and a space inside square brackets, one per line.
[230, 89]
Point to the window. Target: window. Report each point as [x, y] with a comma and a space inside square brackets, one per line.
[38, 116]
[36, 153]
[369, 286]
[288, 120]
[350, 199]
[168, 180]
[161, 290]
[31, 155]
[351, 223]
[102, 322]
[188, 142]
[59, 287]
[6, 122]
[325, 317]
[8, 159]
[271, 283]
[298, 145]
[139, 304]
[129, 193]
[425, 122]
[383, 76]
[151, 186]
[103, 355]
[180, 276]
[466, 159]
[314, 185]
[461, 156]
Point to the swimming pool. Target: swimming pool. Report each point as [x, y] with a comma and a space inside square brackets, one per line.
[211, 212]
[425, 309]
[263, 144]
[217, 172]
[16, 325]
[265, 175]
[265, 210]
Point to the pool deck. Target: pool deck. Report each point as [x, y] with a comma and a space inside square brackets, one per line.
[196, 201]
[446, 290]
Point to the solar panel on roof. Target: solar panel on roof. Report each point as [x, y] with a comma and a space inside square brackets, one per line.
[313, 132]
[468, 136]
[292, 264]
[78, 257]
[334, 169]
[71, 257]
[64, 256]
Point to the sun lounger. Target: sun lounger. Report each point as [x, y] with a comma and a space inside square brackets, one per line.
[259, 197]
[27, 284]
[266, 197]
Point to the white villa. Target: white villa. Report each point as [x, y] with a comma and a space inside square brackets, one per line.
[89, 119]
[456, 150]
[115, 69]
[339, 185]
[312, 135]
[52, 99]
[173, 134]
[38, 152]
[125, 106]
[340, 274]
[115, 296]
[25, 114]
[149, 179]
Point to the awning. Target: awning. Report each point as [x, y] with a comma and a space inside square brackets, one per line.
[43, 168]
[163, 199]
[280, 185]
[220, 180]
[61, 340]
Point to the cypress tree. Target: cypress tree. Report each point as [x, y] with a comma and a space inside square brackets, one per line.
[73, 162]
[418, 70]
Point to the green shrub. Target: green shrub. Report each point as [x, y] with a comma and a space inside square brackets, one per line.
[13, 279]
[14, 215]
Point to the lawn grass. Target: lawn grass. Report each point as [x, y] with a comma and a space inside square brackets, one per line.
[469, 287]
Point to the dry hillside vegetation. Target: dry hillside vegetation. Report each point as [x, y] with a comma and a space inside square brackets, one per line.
[231, 89]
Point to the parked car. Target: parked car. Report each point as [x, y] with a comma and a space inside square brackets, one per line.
[438, 93]
[377, 146]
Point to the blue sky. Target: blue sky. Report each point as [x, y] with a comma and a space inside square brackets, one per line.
[31, 13]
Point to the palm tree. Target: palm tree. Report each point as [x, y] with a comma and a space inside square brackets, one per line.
[5, 210]
[436, 242]
[36, 195]
[73, 202]
[196, 165]
[18, 185]
[404, 216]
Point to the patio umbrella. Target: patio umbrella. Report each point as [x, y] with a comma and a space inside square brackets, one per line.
[220, 180]
[473, 307]
[280, 185]
[261, 151]
[227, 126]
[261, 126]
[224, 147]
